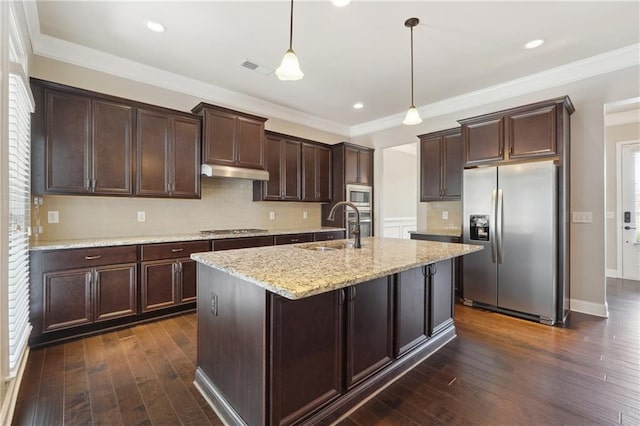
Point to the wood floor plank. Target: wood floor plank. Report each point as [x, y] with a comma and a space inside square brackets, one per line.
[51, 393]
[27, 402]
[104, 404]
[77, 405]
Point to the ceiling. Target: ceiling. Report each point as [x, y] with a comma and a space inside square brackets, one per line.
[357, 53]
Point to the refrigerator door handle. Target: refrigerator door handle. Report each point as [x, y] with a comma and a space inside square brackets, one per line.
[492, 226]
[499, 226]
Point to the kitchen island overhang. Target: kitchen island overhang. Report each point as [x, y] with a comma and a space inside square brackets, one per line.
[299, 334]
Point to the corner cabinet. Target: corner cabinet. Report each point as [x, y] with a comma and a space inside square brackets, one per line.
[168, 154]
[523, 133]
[231, 138]
[81, 143]
[282, 161]
[441, 159]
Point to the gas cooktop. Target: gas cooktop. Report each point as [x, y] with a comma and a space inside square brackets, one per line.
[233, 231]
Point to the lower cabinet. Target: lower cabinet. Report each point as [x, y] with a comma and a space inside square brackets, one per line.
[327, 236]
[441, 293]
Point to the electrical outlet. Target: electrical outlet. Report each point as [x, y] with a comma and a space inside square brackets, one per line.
[214, 304]
[37, 201]
[272, 215]
[445, 215]
[304, 215]
[40, 229]
[142, 216]
[582, 217]
[53, 216]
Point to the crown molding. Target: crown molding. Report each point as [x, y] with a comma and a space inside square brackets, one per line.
[611, 61]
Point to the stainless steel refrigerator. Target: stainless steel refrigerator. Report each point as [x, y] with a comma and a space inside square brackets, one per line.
[513, 212]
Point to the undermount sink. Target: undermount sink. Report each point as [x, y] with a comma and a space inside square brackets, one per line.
[335, 245]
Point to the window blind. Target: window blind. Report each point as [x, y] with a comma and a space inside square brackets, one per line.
[20, 108]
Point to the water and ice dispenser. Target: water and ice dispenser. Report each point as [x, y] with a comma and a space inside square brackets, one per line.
[479, 227]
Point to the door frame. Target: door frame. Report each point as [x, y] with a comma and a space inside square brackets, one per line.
[619, 242]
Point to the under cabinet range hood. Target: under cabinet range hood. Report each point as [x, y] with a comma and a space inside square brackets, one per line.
[215, 170]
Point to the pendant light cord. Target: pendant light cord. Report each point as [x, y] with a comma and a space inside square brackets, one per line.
[412, 104]
[291, 28]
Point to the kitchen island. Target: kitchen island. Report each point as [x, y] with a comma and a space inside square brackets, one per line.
[301, 334]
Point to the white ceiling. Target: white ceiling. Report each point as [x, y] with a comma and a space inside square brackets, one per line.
[357, 53]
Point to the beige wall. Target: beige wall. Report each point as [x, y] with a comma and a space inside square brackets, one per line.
[225, 203]
[587, 174]
[614, 134]
[399, 185]
[434, 217]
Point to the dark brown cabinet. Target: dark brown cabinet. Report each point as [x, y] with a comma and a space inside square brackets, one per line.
[168, 274]
[231, 138]
[282, 161]
[239, 243]
[523, 133]
[358, 165]
[441, 164]
[293, 239]
[306, 367]
[328, 236]
[412, 302]
[168, 154]
[82, 144]
[457, 262]
[73, 288]
[316, 173]
[369, 328]
[440, 278]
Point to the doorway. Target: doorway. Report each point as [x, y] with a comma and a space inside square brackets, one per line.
[399, 189]
[628, 158]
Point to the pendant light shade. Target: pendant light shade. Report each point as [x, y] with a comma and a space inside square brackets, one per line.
[289, 69]
[413, 116]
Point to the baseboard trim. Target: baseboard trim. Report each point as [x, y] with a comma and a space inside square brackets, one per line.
[612, 273]
[11, 397]
[589, 308]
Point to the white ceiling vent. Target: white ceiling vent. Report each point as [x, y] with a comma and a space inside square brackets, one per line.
[260, 69]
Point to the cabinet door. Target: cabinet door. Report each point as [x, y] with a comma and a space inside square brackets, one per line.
[430, 169]
[412, 300]
[441, 287]
[351, 158]
[67, 299]
[115, 291]
[68, 121]
[188, 269]
[323, 174]
[112, 134]
[452, 167]
[219, 137]
[328, 236]
[533, 133]
[272, 189]
[369, 329]
[309, 165]
[249, 140]
[186, 158]
[159, 284]
[291, 170]
[484, 141]
[153, 150]
[365, 167]
[306, 355]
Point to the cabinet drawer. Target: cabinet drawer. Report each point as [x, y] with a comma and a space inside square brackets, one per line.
[327, 236]
[85, 257]
[172, 250]
[239, 243]
[293, 239]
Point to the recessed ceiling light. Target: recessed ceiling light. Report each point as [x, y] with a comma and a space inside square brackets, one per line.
[534, 43]
[154, 26]
[341, 3]
[358, 105]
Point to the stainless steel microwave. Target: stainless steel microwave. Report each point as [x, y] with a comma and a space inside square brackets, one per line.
[360, 196]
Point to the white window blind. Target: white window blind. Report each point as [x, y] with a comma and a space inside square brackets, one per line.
[20, 108]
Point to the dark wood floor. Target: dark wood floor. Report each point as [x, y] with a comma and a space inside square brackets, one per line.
[500, 370]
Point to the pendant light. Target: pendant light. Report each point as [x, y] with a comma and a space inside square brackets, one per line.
[413, 116]
[289, 69]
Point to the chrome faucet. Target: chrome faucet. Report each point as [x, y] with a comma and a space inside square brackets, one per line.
[356, 230]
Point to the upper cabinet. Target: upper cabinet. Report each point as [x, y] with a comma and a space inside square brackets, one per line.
[441, 165]
[231, 138]
[168, 154]
[528, 132]
[282, 161]
[358, 165]
[316, 173]
[81, 144]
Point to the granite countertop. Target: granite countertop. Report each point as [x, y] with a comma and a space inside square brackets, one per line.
[196, 236]
[444, 232]
[295, 273]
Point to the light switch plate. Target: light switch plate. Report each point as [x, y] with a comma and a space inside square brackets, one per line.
[445, 215]
[582, 217]
[142, 216]
[272, 215]
[53, 216]
[304, 215]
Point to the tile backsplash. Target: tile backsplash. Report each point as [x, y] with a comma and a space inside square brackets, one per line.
[436, 210]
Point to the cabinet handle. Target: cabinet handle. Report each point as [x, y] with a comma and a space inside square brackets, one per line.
[294, 240]
[179, 267]
[352, 296]
[93, 185]
[342, 297]
[510, 149]
[174, 268]
[88, 184]
[500, 151]
[434, 269]
[330, 237]
[94, 257]
[177, 250]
